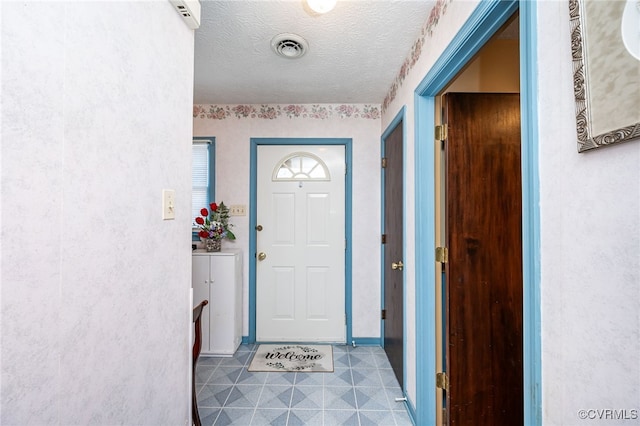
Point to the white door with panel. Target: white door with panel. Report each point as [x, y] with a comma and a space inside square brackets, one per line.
[300, 243]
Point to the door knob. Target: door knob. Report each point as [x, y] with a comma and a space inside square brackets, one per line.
[262, 256]
[397, 266]
[259, 228]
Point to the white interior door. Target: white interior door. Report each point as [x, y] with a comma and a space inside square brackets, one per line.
[300, 243]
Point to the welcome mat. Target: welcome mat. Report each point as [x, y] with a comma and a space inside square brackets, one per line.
[283, 358]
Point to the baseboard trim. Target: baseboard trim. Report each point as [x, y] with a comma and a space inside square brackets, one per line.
[411, 410]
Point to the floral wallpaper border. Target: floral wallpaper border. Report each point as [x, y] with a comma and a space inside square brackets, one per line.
[427, 30]
[271, 112]
[326, 111]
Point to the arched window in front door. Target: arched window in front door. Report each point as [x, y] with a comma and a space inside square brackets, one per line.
[301, 166]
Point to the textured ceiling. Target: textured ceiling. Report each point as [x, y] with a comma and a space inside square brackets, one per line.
[355, 51]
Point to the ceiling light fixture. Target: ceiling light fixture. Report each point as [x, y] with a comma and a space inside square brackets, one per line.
[321, 6]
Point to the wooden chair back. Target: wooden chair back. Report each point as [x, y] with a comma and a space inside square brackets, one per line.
[197, 346]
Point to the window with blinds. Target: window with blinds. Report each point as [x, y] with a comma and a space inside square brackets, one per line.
[202, 176]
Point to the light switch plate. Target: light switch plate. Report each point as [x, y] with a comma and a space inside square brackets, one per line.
[237, 210]
[168, 204]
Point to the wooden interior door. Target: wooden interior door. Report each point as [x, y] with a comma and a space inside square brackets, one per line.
[483, 291]
[393, 252]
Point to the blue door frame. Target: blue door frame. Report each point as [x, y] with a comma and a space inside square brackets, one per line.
[255, 142]
[486, 19]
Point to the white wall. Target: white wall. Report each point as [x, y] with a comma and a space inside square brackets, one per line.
[590, 236]
[95, 311]
[590, 246]
[233, 133]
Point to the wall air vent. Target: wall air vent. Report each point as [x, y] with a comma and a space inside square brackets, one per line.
[189, 10]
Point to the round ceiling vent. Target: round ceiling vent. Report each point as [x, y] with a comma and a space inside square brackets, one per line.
[290, 46]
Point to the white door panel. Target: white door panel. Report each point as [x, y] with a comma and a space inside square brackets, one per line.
[300, 283]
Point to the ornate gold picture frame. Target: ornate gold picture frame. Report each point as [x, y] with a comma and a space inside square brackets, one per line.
[605, 48]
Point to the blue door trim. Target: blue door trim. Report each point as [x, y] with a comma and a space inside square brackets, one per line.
[390, 128]
[532, 361]
[486, 19]
[252, 221]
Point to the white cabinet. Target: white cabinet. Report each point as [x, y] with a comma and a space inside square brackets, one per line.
[217, 277]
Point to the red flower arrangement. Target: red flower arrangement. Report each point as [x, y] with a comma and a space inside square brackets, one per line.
[214, 223]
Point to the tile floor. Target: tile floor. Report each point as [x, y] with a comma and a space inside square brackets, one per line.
[361, 391]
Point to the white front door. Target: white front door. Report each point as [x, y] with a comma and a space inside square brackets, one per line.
[300, 243]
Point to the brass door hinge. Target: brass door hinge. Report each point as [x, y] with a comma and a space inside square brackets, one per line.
[384, 162]
[384, 314]
[442, 254]
[384, 239]
[442, 381]
[441, 132]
